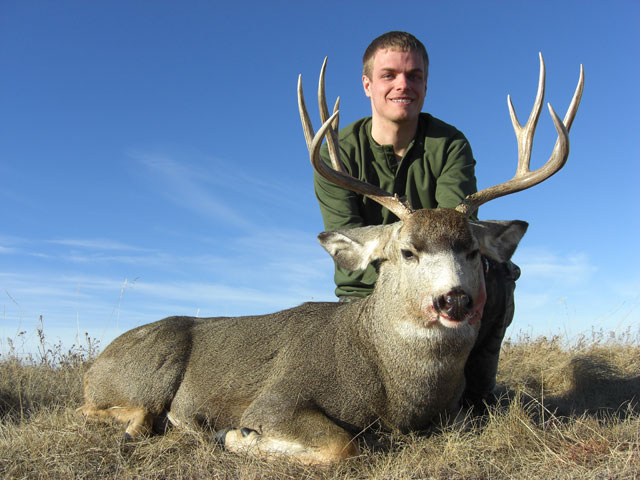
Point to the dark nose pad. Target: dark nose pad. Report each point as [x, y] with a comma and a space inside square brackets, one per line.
[455, 304]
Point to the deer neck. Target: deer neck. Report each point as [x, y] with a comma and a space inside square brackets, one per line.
[420, 364]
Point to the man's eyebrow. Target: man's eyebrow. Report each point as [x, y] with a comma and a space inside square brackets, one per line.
[413, 70]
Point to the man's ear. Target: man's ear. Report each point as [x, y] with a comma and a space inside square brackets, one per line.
[366, 84]
[498, 239]
[356, 248]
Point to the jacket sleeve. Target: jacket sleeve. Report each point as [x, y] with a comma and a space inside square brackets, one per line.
[339, 206]
[340, 209]
[457, 178]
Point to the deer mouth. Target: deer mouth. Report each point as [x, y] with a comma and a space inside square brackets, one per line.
[422, 322]
[473, 317]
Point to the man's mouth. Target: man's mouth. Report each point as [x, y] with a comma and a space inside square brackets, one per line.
[402, 100]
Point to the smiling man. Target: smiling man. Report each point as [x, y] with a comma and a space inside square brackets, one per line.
[398, 148]
[414, 155]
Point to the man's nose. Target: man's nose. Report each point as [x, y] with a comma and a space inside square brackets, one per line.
[402, 82]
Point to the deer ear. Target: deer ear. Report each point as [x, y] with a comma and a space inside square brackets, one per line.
[356, 248]
[498, 239]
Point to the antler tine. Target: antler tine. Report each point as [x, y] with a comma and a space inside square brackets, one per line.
[524, 177]
[575, 101]
[525, 134]
[332, 135]
[391, 202]
[307, 127]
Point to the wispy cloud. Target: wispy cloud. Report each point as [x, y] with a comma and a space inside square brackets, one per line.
[10, 244]
[82, 250]
[189, 187]
[570, 294]
[96, 244]
[224, 190]
[256, 273]
[543, 264]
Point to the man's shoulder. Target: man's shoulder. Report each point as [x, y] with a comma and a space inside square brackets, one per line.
[356, 129]
[429, 126]
[433, 127]
[351, 137]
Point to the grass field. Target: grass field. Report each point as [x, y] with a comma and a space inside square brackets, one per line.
[568, 410]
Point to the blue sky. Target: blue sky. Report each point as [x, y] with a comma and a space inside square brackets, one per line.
[152, 161]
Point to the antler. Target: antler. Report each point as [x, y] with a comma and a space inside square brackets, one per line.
[524, 178]
[337, 174]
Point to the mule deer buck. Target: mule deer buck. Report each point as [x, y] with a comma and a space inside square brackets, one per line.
[301, 382]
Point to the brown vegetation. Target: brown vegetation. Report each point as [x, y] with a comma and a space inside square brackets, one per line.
[567, 410]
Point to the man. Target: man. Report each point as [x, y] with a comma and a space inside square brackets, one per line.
[412, 154]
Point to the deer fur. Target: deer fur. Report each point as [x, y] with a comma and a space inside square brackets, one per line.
[301, 382]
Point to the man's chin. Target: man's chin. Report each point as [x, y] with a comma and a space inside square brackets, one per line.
[404, 116]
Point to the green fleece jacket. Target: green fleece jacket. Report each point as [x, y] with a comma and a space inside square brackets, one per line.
[438, 170]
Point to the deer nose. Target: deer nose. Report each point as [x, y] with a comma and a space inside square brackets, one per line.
[455, 304]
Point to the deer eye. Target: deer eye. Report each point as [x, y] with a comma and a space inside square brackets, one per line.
[407, 254]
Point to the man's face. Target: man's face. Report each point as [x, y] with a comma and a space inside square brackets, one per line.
[397, 86]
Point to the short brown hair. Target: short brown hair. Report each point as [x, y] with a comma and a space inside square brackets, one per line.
[402, 41]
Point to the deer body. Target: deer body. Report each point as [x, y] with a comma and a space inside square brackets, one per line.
[227, 365]
[298, 376]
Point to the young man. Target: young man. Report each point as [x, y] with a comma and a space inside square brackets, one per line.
[412, 154]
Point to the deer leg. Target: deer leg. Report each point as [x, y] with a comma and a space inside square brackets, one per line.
[309, 437]
[138, 420]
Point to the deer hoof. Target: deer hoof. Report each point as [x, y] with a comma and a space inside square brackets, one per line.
[221, 435]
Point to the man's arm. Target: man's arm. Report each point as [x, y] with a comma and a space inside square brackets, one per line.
[340, 209]
[457, 178]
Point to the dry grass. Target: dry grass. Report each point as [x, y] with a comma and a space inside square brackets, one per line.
[567, 411]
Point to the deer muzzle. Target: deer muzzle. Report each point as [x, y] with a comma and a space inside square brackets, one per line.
[457, 306]
[454, 305]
